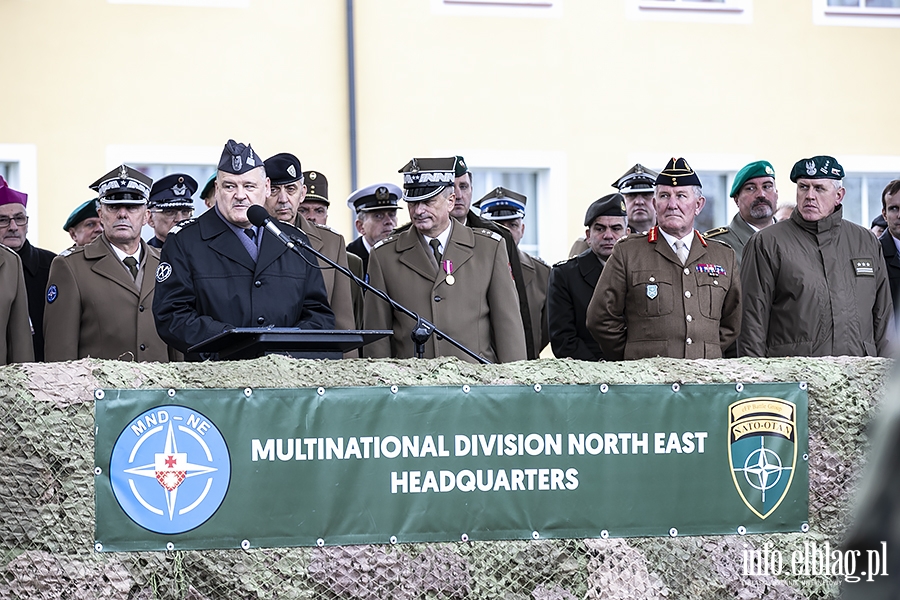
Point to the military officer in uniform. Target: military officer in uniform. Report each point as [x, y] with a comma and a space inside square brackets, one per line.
[456, 277]
[668, 292]
[572, 282]
[287, 196]
[815, 284]
[208, 193]
[15, 342]
[314, 206]
[170, 204]
[890, 241]
[376, 217]
[462, 213]
[35, 261]
[99, 296]
[508, 207]
[218, 271]
[83, 225]
[756, 197]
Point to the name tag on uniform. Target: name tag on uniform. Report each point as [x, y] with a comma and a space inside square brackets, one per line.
[652, 290]
[864, 267]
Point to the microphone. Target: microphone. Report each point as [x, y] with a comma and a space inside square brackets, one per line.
[259, 217]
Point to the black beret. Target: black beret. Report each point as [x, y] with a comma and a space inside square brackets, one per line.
[612, 205]
[283, 168]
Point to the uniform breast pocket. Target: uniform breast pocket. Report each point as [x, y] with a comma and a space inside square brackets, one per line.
[711, 295]
[652, 294]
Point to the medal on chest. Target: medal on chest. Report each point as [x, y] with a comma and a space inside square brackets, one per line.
[447, 266]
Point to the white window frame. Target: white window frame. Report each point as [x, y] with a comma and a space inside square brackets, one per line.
[869, 165]
[552, 211]
[498, 8]
[691, 11]
[24, 157]
[854, 16]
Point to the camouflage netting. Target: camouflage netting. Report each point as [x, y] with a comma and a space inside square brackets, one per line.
[47, 505]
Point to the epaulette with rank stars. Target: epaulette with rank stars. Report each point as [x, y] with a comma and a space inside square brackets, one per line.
[488, 233]
[179, 226]
[714, 232]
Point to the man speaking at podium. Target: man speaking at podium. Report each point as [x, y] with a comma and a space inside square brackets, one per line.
[218, 271]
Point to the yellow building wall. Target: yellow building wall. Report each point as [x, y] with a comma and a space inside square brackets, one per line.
[589, 91]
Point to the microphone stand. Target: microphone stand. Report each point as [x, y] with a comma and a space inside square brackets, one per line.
[424, 328]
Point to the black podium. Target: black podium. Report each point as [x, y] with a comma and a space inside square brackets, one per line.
[252, 342]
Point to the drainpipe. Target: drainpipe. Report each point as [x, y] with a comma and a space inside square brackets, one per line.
[351, 92]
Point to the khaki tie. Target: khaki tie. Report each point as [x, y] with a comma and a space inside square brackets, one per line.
[436, 248]
[131, 263]
[681, 251]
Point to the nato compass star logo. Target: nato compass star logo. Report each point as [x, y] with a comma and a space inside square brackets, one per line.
[170, 469]
[762, 450]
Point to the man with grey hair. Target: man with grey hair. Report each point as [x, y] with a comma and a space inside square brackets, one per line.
[815, 284]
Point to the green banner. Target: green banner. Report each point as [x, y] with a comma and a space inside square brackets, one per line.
[189, 469]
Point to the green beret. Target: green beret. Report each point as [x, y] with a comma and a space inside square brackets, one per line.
[817, 167]
[85, 210]
[612, 205]
[461, 168]
[760, 168]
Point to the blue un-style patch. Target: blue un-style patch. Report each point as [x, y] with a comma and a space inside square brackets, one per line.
[52, 294]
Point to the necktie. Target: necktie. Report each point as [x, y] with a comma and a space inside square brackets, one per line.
[131, 263]
[436, 248]
[250, 233]
[681, 250]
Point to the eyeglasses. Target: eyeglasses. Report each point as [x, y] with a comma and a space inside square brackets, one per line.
[20, 220]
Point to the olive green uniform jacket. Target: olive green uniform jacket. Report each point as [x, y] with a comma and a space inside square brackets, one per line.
[331, 244]
[736, 235]
[815, 288]
[647, 303]
[480, 309]
[15, 344]
[537, 276]
[94, 308]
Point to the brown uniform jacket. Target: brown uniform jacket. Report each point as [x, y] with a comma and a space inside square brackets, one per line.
[15, 343]
[94, 308]
[480, 309]
[648, 304]
[331, 244]
[537, 275]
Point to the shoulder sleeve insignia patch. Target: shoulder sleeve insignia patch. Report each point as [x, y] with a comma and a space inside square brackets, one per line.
[163, 271]
[52, 294]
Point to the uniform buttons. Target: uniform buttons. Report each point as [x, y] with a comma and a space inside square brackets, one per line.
[141, 308]
[687, 271]
[689, 318]
[689, 341]
[687, 294]
[261, 320]
[257, 283]
[143, 347]
[437, 298]
[652, 279]
[715, 282]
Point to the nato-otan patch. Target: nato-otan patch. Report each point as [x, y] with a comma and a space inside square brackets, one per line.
[52, 294]
[163, 271]
[864, 267]
[762, 451]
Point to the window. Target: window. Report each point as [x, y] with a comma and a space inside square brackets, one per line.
[523, 181]
[715, 190]
[698, 11]
[498, 8]
[862, 198]
[857, 13]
